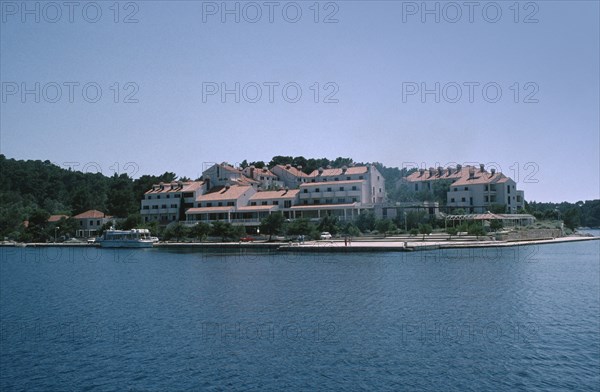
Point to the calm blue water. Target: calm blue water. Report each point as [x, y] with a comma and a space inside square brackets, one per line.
[148, 320]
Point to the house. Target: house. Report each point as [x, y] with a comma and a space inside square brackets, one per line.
[167, 202]
[219, 203]
[89, 222]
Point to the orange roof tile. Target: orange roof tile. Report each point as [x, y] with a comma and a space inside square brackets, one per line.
[93, 214]
[282, 194]
[307, 184]
[186, 187]
[339, 172]
[205, 210]
[56, 218]
[293, 171]
[225, 193]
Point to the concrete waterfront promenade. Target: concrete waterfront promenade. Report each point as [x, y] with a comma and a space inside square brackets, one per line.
[339, 245]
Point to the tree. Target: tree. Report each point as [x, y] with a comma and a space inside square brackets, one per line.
[272, 224]
[330, 224]
[221, 229]
[384, 226]
[366, 221]
[425, 229]
[301, 226]
[572, 218]
[200, 230]
[496, 224]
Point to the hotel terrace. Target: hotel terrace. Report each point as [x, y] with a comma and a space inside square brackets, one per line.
[472, 189]
[246, 196]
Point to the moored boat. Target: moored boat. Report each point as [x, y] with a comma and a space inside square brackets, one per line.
[134, 238]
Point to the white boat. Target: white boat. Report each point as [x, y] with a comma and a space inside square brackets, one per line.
[134, 238]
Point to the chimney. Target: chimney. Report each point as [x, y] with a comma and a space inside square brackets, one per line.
[471, 173]
[288, 166]
[431, 171]
[299, 167]
[328, 166]
[440, 171]
[320, 170]
[449, 171]
[421, 172]
[493, 170]
[458, 168]
[481, 167]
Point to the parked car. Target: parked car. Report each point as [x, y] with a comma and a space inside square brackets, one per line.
[325, 235]
[247, 239]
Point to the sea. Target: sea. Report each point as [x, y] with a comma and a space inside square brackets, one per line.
[482, 319]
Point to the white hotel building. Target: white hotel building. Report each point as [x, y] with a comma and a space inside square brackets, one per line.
[238, 196]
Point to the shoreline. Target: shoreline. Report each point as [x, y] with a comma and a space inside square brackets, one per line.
[337, 245]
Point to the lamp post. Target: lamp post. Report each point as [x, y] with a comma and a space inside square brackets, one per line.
[55, 230]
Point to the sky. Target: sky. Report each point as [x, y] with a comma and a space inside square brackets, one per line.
[144, 87]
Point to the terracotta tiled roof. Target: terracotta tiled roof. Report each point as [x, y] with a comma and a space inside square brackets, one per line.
[205, 210]
[257, 208]
[282, 194]
[460, 178]
[325, 183]
[91, 214]
[481, 178]
[186, 187]
[225, 193]
[339, 172]
[56, 218]
[293, 171]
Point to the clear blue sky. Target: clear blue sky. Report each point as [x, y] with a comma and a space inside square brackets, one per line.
[373, 57]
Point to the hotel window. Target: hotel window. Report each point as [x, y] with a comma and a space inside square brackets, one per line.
[91, 223]
[341, 201]
[230, 204]
[347, 178]
[208, 204]
[328, 189]
[145, 208]
[155, 207]
[463, 200]
[353, 187]
[508, 189]
[377, 178]
[466, 188]
[168, 196]
[328, 201]
[379, 190]
[173, 205]
[163, 206]
[317, 190]
[417, 187]
[452, 200]
[354, 200]
[149, 197]
[275, 203]
[316, 201]
[287, 203]
[360, 177]
[305, 190]
[341, 188]
[486, 188]
[337, 179]
[304, 202]
[220, 204]
[455, 189]
[158, 196]
[264, 203]
[178, 196]
[485, 198]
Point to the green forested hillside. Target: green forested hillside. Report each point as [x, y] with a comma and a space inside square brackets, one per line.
[33, 190]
